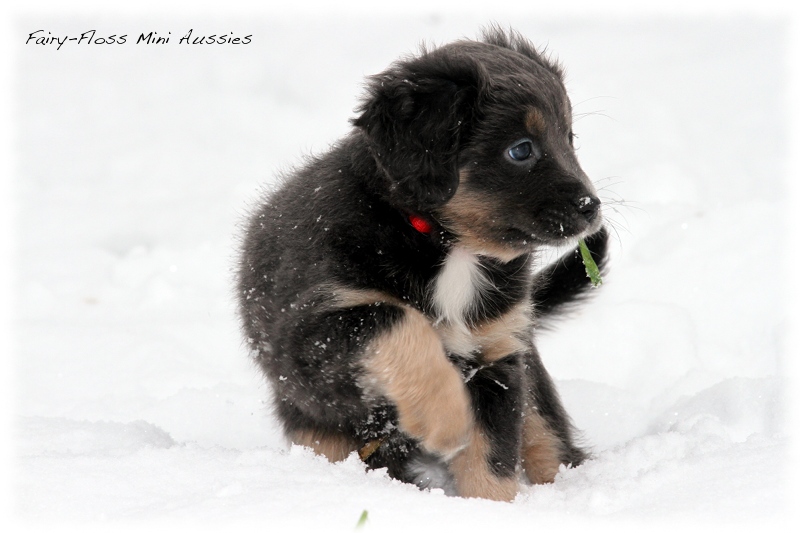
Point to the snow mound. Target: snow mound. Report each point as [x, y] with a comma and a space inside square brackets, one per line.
[59, 436]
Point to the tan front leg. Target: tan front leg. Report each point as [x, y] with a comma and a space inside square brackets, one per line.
[541, 449]
[408, 365]
[473, 475]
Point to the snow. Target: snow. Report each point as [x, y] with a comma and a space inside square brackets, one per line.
[135, 400]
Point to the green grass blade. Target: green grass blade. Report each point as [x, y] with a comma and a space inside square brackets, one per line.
[588, 263]
[363, 519]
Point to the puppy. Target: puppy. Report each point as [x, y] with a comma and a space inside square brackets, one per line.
[386, 288]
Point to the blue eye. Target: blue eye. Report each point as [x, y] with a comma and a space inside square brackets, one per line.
[521, 151]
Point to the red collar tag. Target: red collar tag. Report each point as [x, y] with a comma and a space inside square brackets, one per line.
[420, 224]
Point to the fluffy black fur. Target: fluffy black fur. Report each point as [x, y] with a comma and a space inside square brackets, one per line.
[431, 139]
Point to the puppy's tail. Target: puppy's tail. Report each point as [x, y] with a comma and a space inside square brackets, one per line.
[565, 283]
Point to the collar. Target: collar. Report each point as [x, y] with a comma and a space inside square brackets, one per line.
[420, 224]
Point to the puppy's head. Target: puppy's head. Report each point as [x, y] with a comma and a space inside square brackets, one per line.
[478, 135]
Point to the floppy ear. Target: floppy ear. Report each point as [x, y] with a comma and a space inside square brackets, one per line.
[415, 117]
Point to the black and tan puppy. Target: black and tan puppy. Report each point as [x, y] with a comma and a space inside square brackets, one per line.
[387, 287]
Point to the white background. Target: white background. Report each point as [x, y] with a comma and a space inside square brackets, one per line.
[131, 397]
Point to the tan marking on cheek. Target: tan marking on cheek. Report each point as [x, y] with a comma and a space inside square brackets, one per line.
[473, 476]
[469, 212]
[333, 446]
[534, 121]
[492, 249]
[467, 207]
[408, 366]
[541, 449]
[506, 335]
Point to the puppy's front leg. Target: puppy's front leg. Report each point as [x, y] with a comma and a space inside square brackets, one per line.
[487, 468]
[408, 365]
[547, 434]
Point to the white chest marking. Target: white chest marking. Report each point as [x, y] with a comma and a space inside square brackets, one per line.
[457, 290]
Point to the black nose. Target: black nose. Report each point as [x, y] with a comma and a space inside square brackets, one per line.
[588, 206]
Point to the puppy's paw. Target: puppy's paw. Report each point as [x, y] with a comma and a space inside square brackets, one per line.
[489, 488]
[541, 449]
[474, 475]
[443, 419]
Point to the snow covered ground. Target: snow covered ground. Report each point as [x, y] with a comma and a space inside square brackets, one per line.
[135, 401]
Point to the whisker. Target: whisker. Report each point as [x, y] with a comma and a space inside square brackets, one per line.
[617, 225]
[593, 98]
[622, 203]
[608, 186]
[616, 231]
[615, 208]
[578, 116]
